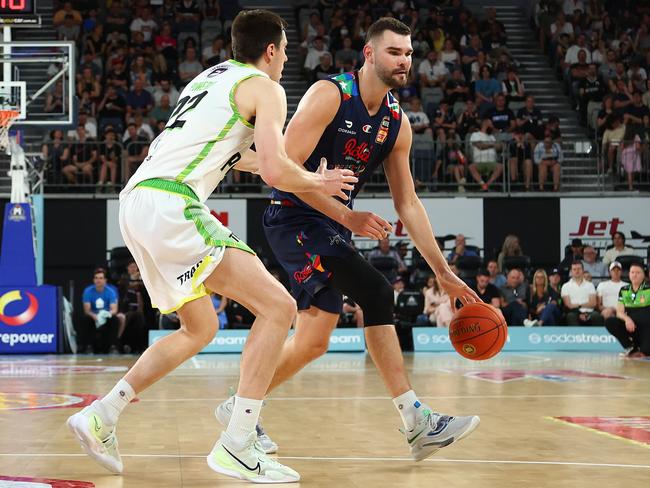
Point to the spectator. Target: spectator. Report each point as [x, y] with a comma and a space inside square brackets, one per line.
[347, 58]
[140, 71]
[450, 56]
[143, 129]
[579, 298]
[631, 155]
[433, 76]
[69, 30]
[468, 121]
[592, 265]
[110, 155]
[591, 89]
[138, 100]
[607, 70]
[543, 303]
[117, 76]
[353, 314]
[486, 291]
[133, 331]
[520, 156]
[325, 69]
[503, 120]
[419, 120]
[165, 87]
[437, 306]
[398, 287]
[574, 254]
[604, 114]
[88, 124]
[552, 128]
[484, 155]
[444, 122]
[637, 115]
[88, 82]
[136, 149]
[514, 298]
[161, 111]
[190, 67]
[67, 10]
[486, 88]
[573, 52]
[456, 89]
[99, 327]
[55, 152]
[166, 43]
[496, 278]
[54, 99]
[608, 291]
[548, 156]
[215, 53]
[460, 250]
[555, 282]
[84, 157]
[112, 109]
[220, 303]
[513, 88]
[511, 247]
[619, 249]
[188, 16]
[314, 52]
[384, 250]
[145, 24]
[631, 326]
[612, 138]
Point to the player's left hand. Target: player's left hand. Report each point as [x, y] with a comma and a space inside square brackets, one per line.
[457, 289]
[336, 181]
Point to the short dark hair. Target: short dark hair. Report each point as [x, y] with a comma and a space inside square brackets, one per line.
[578, 263]
[638, 265]
[387, 24]
[620, 234]
[99, 271]
[253, 31]
[483, 272]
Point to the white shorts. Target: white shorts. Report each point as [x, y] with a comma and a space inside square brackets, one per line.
[175, 241]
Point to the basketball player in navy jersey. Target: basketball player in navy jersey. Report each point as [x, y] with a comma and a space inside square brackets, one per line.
[354, 121]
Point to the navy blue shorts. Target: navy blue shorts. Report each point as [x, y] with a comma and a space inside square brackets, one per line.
[299, 238]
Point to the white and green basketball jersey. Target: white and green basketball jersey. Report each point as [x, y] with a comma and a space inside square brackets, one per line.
[205, 135]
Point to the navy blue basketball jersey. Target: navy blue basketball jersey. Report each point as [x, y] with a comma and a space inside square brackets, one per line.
[353, 140]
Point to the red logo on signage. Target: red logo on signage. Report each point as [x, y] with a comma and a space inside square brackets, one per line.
[22, 318]
[635, 429]
[360, 152]
[596, 228]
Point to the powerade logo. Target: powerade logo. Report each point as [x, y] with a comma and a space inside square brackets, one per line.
[571, 339]
[20, 318]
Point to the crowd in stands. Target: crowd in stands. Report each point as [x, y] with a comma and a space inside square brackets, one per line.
[601, 50]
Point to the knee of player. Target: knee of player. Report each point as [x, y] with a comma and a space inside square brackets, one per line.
[316, 347]
[283, 309]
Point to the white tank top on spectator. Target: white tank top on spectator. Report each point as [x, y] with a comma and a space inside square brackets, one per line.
[608, 291]
[205, 134]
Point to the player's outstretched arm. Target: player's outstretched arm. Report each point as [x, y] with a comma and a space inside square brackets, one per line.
[275, 168]
[315, 112]
[414, 217]
[248, 163]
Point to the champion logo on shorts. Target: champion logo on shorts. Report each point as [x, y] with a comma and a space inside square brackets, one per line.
[189, 273]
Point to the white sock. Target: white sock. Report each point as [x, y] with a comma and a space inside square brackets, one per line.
[117, 399]
[243, 420]
[409, 408]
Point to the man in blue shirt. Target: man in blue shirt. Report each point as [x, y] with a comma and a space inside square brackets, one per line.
[460, 250]
[100, 324]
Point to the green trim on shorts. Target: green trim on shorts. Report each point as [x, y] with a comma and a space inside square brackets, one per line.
[213, 234]
[169, 186]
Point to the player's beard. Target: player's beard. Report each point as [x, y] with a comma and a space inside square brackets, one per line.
[389, 77]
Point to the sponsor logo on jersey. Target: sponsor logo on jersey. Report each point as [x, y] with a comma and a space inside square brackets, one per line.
[348, 124]
[356, 151]
[367, 128]
[347, 131]
[382, 133]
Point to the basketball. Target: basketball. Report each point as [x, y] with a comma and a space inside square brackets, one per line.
[478, 331]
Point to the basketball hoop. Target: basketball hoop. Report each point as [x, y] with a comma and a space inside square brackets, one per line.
[7, 118]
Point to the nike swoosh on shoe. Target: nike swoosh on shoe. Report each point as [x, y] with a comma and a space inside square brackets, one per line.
[257, 468]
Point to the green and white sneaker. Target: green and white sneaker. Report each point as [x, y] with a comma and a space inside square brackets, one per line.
[436, 431]
[223, 413]
[97, 438]
[248, 462]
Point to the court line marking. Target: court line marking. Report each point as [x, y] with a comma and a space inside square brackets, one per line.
[432, 397]
[368, 459]
[601, 432]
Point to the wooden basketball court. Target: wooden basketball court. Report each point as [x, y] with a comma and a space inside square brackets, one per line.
[546, 420]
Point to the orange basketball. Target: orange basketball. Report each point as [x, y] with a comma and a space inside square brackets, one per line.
[478, 331]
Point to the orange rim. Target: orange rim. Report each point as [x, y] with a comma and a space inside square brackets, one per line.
[8, 116]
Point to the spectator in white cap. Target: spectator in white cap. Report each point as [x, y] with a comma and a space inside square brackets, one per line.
[593, 265]
[607, 291]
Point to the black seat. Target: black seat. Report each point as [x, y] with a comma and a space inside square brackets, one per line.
[628, 260]
[521, 262]
[386, 265]
[119, 258]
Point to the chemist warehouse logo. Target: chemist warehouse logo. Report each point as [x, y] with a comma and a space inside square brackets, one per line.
[23, 317]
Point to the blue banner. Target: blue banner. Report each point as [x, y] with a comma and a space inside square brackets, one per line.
[29, 319]
[528, 339]
[17, 261]
[233, 340]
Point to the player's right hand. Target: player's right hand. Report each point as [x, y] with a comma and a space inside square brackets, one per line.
[367, 224]
[336, 181]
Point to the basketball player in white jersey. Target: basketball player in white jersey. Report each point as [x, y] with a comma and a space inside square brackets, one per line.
[183, 251]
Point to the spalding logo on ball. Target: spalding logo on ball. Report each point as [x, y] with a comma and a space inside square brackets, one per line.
[478, 331]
